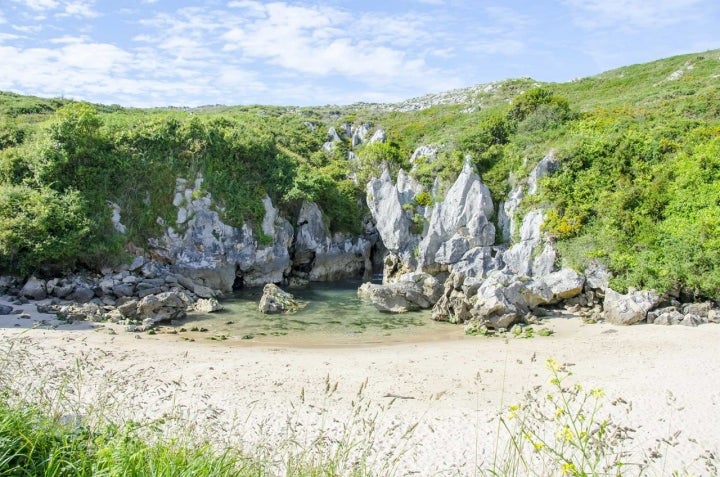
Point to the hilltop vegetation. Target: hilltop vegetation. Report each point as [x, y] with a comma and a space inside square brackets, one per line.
[638, 187]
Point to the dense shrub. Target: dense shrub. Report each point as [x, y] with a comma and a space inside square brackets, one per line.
[40, 228]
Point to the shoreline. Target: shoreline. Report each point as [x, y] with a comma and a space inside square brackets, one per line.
[452, 389]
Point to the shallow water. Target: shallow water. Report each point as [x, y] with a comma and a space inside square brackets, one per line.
[334, 316]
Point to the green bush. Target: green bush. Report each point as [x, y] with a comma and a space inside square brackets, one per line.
[40, 229]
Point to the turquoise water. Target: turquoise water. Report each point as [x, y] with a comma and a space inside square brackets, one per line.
[334, 316]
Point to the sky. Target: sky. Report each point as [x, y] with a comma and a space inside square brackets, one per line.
[199, 52]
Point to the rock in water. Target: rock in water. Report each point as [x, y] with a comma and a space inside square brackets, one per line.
[275, 300]
[207, 305]
[412, 292]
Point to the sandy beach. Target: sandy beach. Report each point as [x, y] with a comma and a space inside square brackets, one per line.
[453, 389]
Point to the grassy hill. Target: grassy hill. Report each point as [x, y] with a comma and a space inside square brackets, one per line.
[638, 188]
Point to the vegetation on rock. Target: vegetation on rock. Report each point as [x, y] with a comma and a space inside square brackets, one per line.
[637, 187]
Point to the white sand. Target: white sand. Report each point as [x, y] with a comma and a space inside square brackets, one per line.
[453, 389]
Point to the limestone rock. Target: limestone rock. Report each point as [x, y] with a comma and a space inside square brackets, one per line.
[545, 167]
[207, 305]
[597, 277]
[500, 302]
[82, 295]
[465, 212]
[454, 305]
[378, 136]
[386, 207]
[394, 267]
[206, 250]
[323, 257]
[520, 257]
[34, 289]
[564, 284]
[507, 210]
[692, 320]
[476, 262]
[162, 307]
[630, 308]
[274, 300]
[413, 291]
[428, 153]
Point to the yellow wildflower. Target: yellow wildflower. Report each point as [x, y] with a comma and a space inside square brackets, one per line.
[568, 468]
[552, 365]
[513, 411]
[597, 393]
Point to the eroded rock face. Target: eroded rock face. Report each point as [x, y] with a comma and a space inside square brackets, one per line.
[630, 308]
[386, 205]
[203, 248]
[274, 300]
[522, 258]
[322, 257]
[459, 223]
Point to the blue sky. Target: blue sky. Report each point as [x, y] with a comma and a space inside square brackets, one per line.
[195, 52]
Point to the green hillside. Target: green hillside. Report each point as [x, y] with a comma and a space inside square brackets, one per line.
[639, 186]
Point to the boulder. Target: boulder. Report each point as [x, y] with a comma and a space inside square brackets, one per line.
[393, 268]
[123, 289]
[129, 309]
[63, 289]
[630, 308]
[699, 309]
[6, 309]
[203, 292]
[500, 302]
[692, 320]
[564, 284]
[274, 300]
[81, 294]
[162, 307]
[207, 305]
[412, 292]
[34, 289]
[137, 263]
[454, 305]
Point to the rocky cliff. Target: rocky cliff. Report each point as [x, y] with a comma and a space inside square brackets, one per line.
[200, 246]
[496, 284]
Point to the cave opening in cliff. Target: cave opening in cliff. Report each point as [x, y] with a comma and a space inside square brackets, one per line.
[239, 282]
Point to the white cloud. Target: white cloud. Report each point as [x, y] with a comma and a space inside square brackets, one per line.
[631, 14]
[39, 4]
[79, 8]
[7, 37]
[325, 41]
[27, 28]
